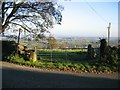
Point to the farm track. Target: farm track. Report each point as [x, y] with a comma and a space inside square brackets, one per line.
[16, 76]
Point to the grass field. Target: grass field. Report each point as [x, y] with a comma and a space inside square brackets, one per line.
[74, 55]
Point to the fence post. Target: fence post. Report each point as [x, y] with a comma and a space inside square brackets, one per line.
[51, 55]
[66, 54]
[33, 56]
[90, 52]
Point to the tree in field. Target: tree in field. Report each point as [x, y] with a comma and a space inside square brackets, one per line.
[32, 16]
[52, 42]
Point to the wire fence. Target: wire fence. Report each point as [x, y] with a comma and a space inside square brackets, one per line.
[68, 54]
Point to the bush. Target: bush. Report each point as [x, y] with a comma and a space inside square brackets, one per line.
[60, 66]
[49, 65]
[93, 67]
[69, 64]
[114, 68]
[81, 66]
[108, 54]
[38, 63]
[87, 66]
[8, 48]
[103, 46]
[76, 66]
[101, 68]
[28, 63]
[15, 58]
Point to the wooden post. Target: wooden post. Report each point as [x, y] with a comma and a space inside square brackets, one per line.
[19, 36]
[33, 55]
[51, 55]
[18, 42]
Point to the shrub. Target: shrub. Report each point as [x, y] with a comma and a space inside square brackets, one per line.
[103, 68]
[93, 67]
[81, 66]
[60, 65]
[76, 66]
[37, 63]
[87, 66]
[114, 68]
[15, 58]
[69, 64]
[49, 65]
[28, 63]
[8, 48]
[103, 46]
[90, 52]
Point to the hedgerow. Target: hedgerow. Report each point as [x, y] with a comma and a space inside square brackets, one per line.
[84, 66]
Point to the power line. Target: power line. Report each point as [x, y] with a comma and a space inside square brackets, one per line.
[91, 7]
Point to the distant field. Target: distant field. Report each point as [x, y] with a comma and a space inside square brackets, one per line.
[60, 50]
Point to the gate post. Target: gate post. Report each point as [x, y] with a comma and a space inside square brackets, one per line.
[33, 55]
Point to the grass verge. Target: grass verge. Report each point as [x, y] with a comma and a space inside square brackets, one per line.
[62, 65]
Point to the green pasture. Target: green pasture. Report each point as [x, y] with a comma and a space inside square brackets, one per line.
[75, 55]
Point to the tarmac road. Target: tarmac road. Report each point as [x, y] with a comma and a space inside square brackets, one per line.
[16, 76]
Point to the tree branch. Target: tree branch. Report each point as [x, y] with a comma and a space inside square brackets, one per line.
[20, 17]
[15, 8]
[24, 27]
[39, 14]
[3, 12]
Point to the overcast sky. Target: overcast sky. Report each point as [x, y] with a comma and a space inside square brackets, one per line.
[84, 18]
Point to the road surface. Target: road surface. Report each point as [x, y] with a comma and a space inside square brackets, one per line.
[16, 76]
